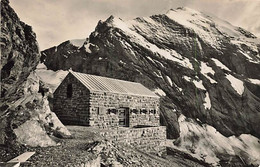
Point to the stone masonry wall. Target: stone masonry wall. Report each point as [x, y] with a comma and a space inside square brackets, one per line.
[114, 100]
[94, 108]
[102, 102]
[151, 139]
[147, 119]
[73, 110]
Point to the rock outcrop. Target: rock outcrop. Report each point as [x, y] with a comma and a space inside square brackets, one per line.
[25, 115]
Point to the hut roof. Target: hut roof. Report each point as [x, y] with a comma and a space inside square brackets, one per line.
[104, 84]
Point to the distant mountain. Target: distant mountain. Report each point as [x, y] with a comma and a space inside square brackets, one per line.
[206, 70]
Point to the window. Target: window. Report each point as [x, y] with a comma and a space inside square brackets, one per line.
[152, 111]
[69, 91]
[135, 111]
[144, 111]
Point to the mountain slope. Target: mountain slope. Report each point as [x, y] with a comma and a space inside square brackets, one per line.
[202, 66]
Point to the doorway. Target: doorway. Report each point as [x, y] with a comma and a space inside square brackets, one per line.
[123, 115]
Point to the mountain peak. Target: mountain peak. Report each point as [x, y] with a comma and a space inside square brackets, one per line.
[186, 9]
[111, 18]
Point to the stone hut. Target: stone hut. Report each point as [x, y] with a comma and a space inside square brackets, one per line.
[83, 99]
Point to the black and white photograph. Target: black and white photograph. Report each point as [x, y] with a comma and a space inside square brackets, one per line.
[130, 83]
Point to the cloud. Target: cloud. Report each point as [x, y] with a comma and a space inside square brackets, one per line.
[57, 21]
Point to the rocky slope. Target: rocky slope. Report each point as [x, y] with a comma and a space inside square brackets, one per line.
[25, 116]
[202, 66]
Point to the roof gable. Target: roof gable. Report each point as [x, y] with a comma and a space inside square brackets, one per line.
[104, 84]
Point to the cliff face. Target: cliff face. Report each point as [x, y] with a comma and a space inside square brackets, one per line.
[204, 67]
[20, 53]
[24, 113]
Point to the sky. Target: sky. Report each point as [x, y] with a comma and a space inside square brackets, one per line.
[55, 21]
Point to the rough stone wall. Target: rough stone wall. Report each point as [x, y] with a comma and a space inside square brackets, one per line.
[113, 100]
[104, 121]
[73, 110]
[111, 120]
[147, 119]
[151, 139]
[101, 102]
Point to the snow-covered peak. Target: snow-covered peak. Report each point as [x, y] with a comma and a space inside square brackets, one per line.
[129, 30]
[211, 29]
[193, 19]
[186, 9]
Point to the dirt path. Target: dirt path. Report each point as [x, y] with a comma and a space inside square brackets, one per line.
[87, 145]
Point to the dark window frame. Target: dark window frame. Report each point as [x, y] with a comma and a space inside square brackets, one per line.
[69, 91]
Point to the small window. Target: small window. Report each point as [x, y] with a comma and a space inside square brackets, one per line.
[69, 91]
[135, 111]
[144, 111]
[152, 111]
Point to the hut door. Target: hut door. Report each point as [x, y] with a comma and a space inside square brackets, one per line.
[123, 115]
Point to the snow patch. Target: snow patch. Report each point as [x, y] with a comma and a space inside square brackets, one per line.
[173, 84]
[248, 57]
[219, 64]
[41, 66]
[158, 74]
[254, 81]
[120, 61]
[237, 84]
[207, 102]
[87, 47]
[187, 78]
[169, 80]
[150, 59]
[180, 89]
[159, 92]
[199, 84]
[50, 77]
[205, 69]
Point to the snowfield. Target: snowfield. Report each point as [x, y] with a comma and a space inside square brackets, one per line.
[50, 77]
[137, 38]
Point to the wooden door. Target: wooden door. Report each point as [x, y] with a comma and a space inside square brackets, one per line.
[123, 115]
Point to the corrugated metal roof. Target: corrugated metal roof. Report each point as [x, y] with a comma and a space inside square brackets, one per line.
[104, 84]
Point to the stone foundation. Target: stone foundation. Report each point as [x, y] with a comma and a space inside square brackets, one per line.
[149, 139]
